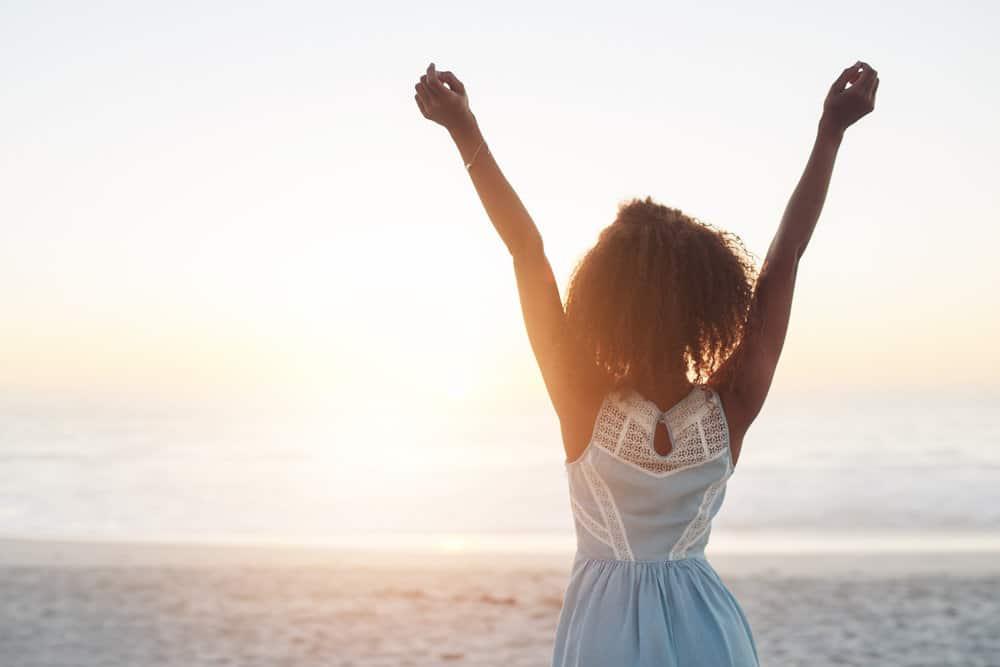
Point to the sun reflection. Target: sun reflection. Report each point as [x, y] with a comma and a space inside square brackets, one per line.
[453, 544]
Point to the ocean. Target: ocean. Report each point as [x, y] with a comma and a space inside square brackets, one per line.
[911, 468]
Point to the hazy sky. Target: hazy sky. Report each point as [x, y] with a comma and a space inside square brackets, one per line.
[200, 199]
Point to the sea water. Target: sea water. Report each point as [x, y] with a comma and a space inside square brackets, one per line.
[916, 469]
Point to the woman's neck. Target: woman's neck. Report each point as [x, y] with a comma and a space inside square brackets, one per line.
[669, 392]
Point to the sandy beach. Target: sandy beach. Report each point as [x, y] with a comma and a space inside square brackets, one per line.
[83, 604]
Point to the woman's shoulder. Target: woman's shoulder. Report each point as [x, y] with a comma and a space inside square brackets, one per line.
[578, 427]
[732, 416]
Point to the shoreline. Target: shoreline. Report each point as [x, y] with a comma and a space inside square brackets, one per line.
[72, 553]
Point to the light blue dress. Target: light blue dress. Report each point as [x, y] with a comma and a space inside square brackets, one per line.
[641, 592]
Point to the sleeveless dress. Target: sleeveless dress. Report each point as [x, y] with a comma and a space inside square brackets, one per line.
[641, 592]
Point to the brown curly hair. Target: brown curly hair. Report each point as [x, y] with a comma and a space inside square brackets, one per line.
[660, 294]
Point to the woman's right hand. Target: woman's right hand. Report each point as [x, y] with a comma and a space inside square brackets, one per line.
[845, 106]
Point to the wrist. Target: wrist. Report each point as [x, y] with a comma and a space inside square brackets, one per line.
[829, 131]
[464, 127]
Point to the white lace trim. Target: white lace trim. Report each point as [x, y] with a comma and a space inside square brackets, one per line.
[612, 517]
[626, 428]
[701, 521]
[592, 525]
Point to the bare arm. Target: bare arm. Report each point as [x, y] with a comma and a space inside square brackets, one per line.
[503, 207]
[746, 379]
[574, 388]
[449, 107]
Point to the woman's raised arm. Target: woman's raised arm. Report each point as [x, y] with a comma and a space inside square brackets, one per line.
[573, 383]
[746, 378]
[449, 107]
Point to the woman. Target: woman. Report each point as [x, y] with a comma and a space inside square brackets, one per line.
[660, 298]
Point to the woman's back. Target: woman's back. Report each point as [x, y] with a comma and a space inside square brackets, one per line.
[643, 505]
[642, 523]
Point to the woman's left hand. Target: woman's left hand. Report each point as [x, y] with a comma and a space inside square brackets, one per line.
[445, 105]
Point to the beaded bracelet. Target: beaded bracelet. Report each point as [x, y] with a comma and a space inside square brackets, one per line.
[469, 163]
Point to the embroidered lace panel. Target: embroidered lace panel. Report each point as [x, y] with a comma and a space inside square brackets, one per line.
[610, 422]
[612, 518]
[592, 525]
[626, 427]
[699, 524]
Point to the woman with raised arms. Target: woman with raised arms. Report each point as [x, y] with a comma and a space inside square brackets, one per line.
[656, 367]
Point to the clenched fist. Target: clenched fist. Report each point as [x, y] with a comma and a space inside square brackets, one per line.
[845, 106]
[445, 105]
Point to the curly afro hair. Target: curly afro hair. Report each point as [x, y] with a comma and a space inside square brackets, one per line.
[661, 294]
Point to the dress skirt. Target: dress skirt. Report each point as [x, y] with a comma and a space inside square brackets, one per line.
[667, 613]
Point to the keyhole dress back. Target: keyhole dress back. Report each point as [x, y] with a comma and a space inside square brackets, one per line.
[643, 494]
[661, 440]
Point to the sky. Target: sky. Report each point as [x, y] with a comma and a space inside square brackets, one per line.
[210, 202]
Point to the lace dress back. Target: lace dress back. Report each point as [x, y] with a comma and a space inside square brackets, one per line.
[643, 520]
